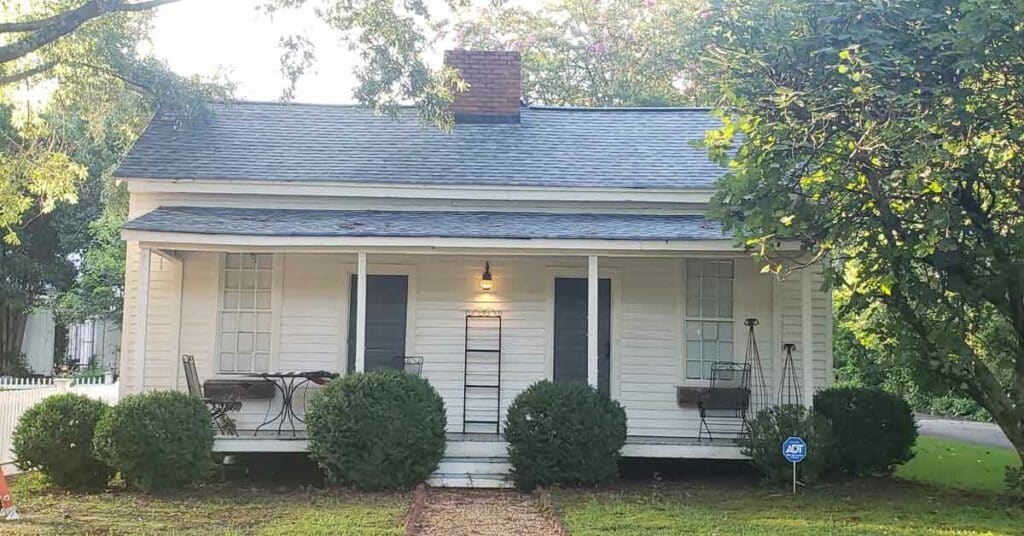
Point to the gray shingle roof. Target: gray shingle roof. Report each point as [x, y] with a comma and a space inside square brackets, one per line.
[446, 224]
[569, 147]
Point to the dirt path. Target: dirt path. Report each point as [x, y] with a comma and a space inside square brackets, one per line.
[458, 512]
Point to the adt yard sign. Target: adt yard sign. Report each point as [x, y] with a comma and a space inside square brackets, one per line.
[795, 450]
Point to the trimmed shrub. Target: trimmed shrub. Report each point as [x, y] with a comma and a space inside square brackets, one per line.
[771, 427]
[377, 430]
[157, 440]
[55, 436]
[874, 430]
[564, 433]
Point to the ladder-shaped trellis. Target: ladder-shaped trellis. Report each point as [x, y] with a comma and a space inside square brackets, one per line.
[481, 393]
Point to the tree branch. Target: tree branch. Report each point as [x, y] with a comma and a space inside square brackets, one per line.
[27, 73]
[47, 30]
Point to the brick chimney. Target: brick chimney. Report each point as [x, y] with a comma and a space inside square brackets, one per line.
[495, 85]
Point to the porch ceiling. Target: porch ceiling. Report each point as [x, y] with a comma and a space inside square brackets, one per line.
[269, 227]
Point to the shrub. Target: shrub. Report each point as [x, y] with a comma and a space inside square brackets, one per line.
[770, 428]
[874, 430]
[377, 430]
[55, 436]
[157, 440]
[564, 433]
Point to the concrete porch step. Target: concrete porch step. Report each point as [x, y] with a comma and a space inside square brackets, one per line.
[465, 480]
[474, 465]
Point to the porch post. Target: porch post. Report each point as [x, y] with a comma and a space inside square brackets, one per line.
[142, 317]
[592, 321]
[807, 318]
[361, 313]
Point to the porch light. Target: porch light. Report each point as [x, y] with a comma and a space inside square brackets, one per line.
[486, 282]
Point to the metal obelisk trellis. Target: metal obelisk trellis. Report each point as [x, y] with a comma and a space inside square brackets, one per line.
[760, 397]
[789, 382]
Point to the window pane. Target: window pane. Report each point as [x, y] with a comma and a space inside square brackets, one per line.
[692, 304]
[261, 363]
[229, 321]
[227, 341]
[244, 363]
[263, 280]
[693, 350]
[248, 280]
[709, 331]
[263, 300]
[232, 279]
[247, 300]
[725, 269]
[725, 331]
[233, 260]
[248, 260]
[262, 342]
[263, 322]
[245, 342]
[265, 261]
[725, 352]
[708, 350]
[709, 268]
[725, 307]
[247, 321]
[709, 308]
[231, 298]
[692, 370]
[693, 267]
[693, 331]
[227, 362]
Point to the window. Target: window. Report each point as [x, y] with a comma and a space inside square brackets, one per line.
[246, 312]
[709, 323]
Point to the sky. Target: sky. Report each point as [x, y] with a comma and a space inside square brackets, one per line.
[229, 36]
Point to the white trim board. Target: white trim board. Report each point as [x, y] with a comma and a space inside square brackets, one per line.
[315, 187]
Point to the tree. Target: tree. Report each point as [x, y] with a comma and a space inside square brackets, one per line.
[887, 138]
[596, 52]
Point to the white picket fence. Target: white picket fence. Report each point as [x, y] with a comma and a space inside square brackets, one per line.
[16, 382]
[14, 403]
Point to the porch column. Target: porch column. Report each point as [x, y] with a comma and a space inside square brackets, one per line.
[592, 320]
[807, 319]
[361, 313]
[142, 317]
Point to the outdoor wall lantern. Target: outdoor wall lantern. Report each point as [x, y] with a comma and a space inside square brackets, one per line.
[486, 282]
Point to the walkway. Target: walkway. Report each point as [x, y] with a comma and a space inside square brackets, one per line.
[978, 433]
[458, 512]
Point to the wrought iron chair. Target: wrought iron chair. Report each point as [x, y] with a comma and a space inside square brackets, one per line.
[219, 406]
[728, 396]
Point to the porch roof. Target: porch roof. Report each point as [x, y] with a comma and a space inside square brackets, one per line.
[424, 224]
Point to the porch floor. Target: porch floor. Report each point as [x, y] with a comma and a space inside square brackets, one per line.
[636, 446]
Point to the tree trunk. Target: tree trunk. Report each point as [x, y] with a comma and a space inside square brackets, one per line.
[12, 333]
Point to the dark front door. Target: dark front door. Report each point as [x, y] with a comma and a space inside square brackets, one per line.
[386, 302]
[571, 331]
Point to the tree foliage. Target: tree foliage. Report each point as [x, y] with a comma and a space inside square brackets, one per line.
[596, 52]
[887, 136]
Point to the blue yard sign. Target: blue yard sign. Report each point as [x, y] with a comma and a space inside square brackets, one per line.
[794, 449]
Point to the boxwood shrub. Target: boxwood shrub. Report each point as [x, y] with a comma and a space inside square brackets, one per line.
[157, 440]
[564, 433]
[874, 429]
[377, 430]
[55, 436]
[771, 427]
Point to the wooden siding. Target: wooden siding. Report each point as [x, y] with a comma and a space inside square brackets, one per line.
[311, 320]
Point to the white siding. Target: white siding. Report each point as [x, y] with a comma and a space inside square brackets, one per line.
[647, 323]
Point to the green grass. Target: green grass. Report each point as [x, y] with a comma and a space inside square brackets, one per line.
[956, 465]
[870, 507]
[218, 509]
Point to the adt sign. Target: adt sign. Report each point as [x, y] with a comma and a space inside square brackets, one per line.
[794, 449]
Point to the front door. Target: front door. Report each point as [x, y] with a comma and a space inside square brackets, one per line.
[386, 303]
[571, 331]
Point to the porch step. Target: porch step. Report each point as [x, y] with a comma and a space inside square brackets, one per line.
[476, 449]
[472, 472]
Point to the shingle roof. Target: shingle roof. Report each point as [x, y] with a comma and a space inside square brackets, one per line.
[442, 224]
[567, 147]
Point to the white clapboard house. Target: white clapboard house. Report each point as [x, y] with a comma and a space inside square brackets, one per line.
[530, 243]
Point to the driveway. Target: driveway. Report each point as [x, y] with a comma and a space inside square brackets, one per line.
[978, 433]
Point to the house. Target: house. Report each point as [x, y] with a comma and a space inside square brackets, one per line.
[531, 243]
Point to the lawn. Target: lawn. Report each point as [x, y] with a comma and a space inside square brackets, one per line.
[957, 465]
[949, 488]
[227, 509]
[869, 507]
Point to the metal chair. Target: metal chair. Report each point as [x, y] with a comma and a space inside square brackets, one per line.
[728, 396]
[219, 406]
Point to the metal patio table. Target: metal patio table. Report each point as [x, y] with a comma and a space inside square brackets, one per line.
[287, 384]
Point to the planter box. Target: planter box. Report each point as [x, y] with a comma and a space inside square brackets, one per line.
[244, 389]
